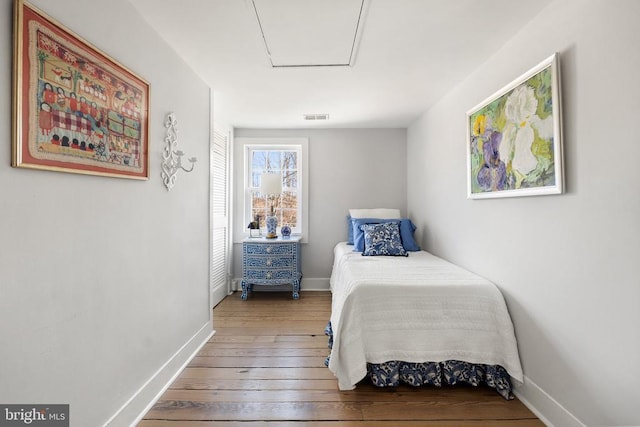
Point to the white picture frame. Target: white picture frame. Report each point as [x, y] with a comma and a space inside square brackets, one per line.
[514, 137]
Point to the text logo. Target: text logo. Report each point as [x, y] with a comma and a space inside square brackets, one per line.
[34, 415]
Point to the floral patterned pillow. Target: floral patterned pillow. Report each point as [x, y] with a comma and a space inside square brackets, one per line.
[383, 239]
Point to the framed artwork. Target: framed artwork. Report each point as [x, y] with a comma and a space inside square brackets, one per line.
[514, 138]
[75, 109]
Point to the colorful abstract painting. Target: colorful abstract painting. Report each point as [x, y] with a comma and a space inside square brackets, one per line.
[75, 109]
[514, 145]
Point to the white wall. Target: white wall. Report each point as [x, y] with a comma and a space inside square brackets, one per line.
[348, 168]
[567, 264]
[102, 279]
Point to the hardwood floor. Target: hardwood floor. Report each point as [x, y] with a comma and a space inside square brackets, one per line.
[265, 367]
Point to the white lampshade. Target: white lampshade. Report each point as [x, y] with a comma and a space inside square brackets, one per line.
[270, 184]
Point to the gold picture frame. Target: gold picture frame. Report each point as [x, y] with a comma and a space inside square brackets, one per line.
[75, 109]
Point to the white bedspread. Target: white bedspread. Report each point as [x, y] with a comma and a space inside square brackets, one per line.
[415, 309]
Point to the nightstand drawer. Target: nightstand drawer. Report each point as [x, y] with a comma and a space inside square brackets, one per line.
[271, 275]
[269, 249]
[266, 261]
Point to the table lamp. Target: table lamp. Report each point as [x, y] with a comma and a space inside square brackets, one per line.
[270, 188]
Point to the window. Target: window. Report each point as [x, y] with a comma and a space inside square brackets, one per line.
[285, 157]
[285, 206]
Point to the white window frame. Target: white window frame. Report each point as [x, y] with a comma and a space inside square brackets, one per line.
[302, 144]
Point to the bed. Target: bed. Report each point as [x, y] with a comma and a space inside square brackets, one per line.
[417, 319]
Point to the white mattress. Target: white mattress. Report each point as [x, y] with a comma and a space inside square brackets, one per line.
[416, 309]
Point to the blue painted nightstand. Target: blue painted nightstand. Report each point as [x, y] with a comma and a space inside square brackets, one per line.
[271, 262]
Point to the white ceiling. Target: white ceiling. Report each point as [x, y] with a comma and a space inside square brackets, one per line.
[408, 54]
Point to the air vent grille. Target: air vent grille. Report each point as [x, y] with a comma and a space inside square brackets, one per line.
[316, 117]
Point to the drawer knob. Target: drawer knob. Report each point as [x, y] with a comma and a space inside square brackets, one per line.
[268, 275]
[269, 249]
[269, 262]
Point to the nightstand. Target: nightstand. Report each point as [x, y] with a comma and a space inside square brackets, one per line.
[271, 262]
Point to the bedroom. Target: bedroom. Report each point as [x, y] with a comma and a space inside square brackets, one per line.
[575, 316]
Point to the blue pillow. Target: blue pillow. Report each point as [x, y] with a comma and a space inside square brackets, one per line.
[382, 239]
[406, 232]
[349, 231]
[407, 228]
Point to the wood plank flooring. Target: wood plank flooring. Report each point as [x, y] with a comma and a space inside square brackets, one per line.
[265, 367]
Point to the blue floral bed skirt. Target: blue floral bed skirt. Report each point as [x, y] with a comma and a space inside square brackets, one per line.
[394, 372]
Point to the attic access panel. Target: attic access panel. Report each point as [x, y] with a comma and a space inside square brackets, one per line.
[310, 33]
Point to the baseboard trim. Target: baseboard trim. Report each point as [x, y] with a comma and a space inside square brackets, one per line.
[132, 412]
[320, 284]
[545, 407]
[308, 284]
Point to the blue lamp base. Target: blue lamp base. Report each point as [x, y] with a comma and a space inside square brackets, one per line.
[272, 224]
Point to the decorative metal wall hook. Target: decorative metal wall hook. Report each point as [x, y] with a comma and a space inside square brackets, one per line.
[172, 158]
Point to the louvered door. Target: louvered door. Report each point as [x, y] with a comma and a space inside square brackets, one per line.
[220, 246]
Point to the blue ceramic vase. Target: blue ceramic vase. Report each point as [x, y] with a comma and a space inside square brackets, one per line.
[272, 224]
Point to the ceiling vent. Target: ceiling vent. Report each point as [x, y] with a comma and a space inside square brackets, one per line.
[316, 117]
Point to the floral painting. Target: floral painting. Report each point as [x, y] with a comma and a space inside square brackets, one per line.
[514, 145]
[75, 109]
